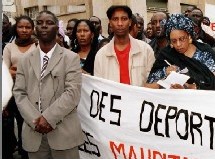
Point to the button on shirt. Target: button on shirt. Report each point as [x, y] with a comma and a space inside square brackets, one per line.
[42, 54]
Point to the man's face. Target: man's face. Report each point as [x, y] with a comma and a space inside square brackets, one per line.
[149, 31]
[206, 22]
[140, 23]
[69, 28]
[6, 25]
[196, 15]
[120, 22]
[46, 28]
[188, 11]
[156, 27]
[95, 21]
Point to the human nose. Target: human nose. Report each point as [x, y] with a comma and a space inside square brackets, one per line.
[178, 43]
[119, 22]
[44, 24]
[157, 24]
[82, 33]
[24, 29]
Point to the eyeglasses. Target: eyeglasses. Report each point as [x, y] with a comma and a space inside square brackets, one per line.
[181, 39]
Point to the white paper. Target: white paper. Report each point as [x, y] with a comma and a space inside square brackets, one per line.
[173, 78]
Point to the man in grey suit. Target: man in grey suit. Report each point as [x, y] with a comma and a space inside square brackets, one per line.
[47, 91]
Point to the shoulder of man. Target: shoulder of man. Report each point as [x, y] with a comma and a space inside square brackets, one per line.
[143, 44]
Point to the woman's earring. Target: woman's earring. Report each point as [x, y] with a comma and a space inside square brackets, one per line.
[190, 40]
[171, 45]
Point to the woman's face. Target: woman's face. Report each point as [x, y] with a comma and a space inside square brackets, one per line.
[84, 34]
[149, 31]
[180, 40]
[24, 29]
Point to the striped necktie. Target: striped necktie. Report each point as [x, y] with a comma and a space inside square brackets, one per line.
[45, 64]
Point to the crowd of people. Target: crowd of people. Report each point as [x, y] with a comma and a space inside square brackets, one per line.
[46, 63]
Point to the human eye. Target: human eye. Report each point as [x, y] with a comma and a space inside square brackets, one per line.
[38, 22]
[124, 18]
[173, 41]
[153, 22]
[78, 30]
[183, 38]
[49, 22]
[114, 18]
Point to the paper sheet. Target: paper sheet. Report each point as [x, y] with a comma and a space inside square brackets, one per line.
[173, 78]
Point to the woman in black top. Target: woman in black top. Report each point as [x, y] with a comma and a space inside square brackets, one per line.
[85, 42]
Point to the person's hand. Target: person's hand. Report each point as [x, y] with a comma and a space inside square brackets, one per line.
[185, 86]
[190, 86]
[176, 86]
[171, 68]
[13, 71]
[42, 126]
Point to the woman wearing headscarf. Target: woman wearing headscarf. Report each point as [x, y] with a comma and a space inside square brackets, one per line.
[185, 55]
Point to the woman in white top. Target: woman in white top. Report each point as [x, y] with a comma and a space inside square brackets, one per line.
[23, 44]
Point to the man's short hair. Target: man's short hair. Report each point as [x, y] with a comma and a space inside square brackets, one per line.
[73, 19]
[50, 13]
[113, 8]
[100, 22]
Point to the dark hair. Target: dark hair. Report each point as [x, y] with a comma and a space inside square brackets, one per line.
[74, 42]
[206, 18]
[18, 19]
[167, 14]
[72, 20]
[113, 8]
[97, 18]
[133, 21]
[50, 13]
[198, 9]
[102, 42]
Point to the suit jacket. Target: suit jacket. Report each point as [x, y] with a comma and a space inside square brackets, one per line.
[60, 95]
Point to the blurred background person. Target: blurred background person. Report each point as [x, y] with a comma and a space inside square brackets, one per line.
[7, 32]
[160, 41]
[140, 25]
[69, 28]
[23, 44]
[133, 29]
[188, 10]
[205, 34]
[85, 43]
[96, 21]
[206, 21]
[8, 137]
[149, 31]
[61, 36]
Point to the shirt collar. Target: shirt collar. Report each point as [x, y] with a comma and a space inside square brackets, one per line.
[49, 54]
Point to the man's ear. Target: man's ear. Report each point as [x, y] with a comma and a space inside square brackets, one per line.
[110, 23]
[92, 36]
[129, 22]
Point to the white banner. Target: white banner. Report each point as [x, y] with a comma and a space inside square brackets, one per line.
[128, 122]
[210, 12]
